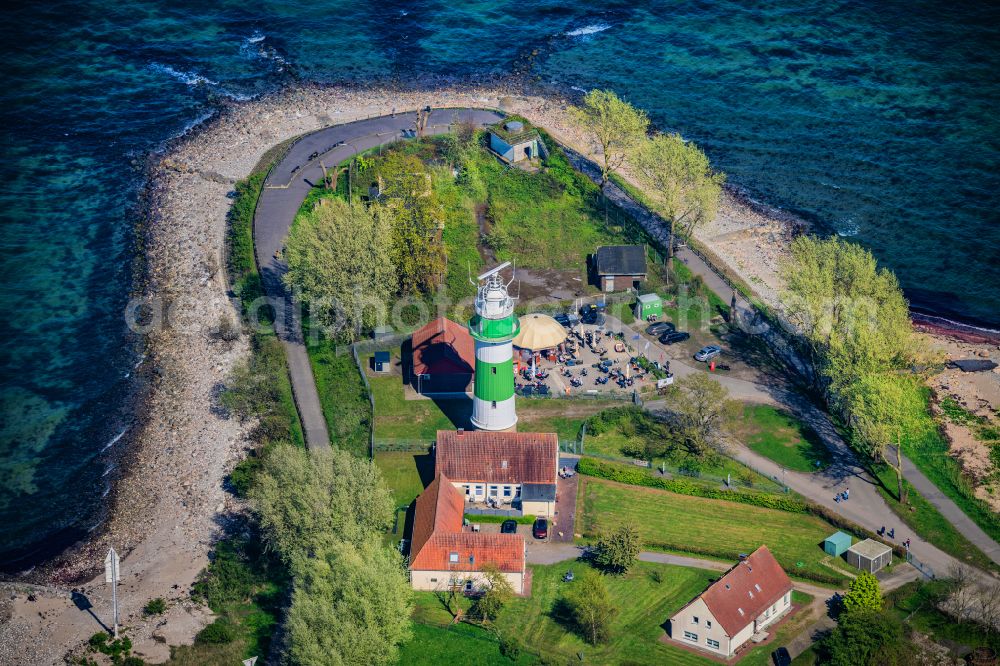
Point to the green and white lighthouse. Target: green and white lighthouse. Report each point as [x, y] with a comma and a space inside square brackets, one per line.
[493, 327]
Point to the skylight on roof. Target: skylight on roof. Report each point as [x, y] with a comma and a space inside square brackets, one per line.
[740, 610]
[757, 586]
[503, 464]
[453, 557]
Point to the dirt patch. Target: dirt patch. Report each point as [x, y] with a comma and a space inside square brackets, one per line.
[546, 285]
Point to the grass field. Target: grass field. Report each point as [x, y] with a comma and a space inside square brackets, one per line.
[776, 434]
[628, 433]
[645, 597]
[719, 528]
[342, 396]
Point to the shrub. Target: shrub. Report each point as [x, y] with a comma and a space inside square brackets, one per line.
[155, 607]
[510, 648]
[243, 474]
[218, 633]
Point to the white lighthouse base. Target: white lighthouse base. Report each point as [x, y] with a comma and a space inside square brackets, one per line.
[486, 416]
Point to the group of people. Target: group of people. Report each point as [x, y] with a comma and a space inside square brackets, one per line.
[842, 496]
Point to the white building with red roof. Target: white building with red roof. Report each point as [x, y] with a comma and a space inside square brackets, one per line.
[748, 598]
[444, 555]
[518, 469]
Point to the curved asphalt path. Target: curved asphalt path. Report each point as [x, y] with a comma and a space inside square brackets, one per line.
[285, 189]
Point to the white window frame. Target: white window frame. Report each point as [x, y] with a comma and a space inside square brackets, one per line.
[691, 636]
[694, 619]
[508, 491]
[712, 643]
[453, 557]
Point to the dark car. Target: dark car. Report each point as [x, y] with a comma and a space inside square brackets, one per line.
[660, 328]
[781, 657]
[567, 320]
[675, 336]
[540, 530]
[592, 314]
[508, 527]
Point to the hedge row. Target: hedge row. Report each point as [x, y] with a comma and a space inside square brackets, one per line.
[485, 518]
[639, 477]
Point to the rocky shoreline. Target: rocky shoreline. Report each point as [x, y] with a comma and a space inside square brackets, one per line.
[169, 504]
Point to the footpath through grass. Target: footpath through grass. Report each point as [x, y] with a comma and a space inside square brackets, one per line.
[776, 434]
[716, 528]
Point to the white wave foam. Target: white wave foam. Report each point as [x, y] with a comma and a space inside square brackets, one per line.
[848, 228]
[588, 30]
[108, 470]
[114, 440]
[577, 88]
[256, 37]
[189, 78]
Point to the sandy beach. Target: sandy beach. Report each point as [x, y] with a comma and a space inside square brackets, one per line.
[170, 504]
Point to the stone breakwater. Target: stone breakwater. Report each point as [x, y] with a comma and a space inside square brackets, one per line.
[169, 504]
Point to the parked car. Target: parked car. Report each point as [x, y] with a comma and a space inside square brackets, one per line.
[508, 527]
[592, 314]
[660, 328]
[540, 530]
[781, 657]
[567, 319]
[707, 353]
[676, 336]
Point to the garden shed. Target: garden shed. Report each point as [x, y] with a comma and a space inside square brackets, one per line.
[648, 305]
[869, 555]
[837, 543]
[513, 142]
[381, 361]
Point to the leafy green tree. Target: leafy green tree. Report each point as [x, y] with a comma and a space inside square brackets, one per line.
[851, 313]
[616, 552]
[697, 410]
[864, 594]
[417, 249]
[617, 126]
[590, 607]
[866, 638]
[883, 408]
[497, 591]
[308, 501]
[341, 260]
[680, 182]
[350, 605]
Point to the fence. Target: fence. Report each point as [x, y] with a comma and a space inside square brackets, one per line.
[402, 445]
[923, 568]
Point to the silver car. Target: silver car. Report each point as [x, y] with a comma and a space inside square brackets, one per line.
[707, 353]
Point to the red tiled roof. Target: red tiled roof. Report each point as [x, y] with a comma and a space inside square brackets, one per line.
[443, 347]
[440, 507]
[437, 533]
[752, 585]
[473, 550]
[497, 457]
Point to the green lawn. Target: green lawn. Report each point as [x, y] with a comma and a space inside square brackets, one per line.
[342, 395]
[718, 528]
[778, 435]
[629, 433]
[433, 645]
[645, 597]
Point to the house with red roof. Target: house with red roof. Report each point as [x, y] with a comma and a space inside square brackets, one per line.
[518, 469]
[748, 598]
[445, 554]
[443, 358]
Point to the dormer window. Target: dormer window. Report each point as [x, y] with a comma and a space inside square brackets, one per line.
[503, 464]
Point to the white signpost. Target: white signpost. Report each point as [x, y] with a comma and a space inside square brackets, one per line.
[111, 571]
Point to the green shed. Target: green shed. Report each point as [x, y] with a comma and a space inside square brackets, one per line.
[837, 543]
[648, 304]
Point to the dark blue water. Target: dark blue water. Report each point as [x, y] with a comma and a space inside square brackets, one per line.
[879, 122]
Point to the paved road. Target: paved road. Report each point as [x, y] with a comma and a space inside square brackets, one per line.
[285, 189]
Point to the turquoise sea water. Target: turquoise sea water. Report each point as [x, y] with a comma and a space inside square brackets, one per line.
[877, 121]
